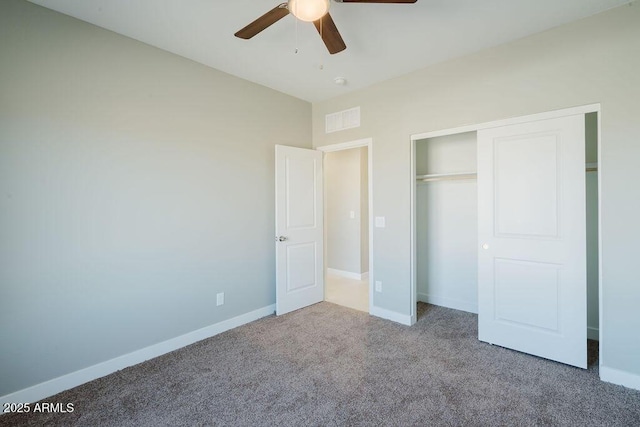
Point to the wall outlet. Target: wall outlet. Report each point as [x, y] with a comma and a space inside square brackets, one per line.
[380, 222]
[220, 298]
[378, 286]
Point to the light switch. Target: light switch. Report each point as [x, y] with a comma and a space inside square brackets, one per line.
[380, 223]
[352, 214]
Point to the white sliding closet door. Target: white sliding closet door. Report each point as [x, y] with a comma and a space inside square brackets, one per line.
[532, 237]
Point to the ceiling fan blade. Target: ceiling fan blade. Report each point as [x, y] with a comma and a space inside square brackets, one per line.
[377, 1]
[330, 35]
[265, 21]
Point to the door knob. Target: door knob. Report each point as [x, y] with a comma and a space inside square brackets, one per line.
[281, 238]
[485, 246]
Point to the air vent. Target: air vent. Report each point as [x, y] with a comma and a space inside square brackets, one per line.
[342, 120]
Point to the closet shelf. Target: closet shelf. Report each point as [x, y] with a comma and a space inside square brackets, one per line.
[590, 167]
[446, 176]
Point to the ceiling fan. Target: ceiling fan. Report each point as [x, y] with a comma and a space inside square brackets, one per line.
[316, 11]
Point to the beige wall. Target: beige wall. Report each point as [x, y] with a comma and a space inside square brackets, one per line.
[347, 245]
[595, 60]
[364, 210]
[134, 186]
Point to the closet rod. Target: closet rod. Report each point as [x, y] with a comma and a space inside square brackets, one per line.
[590, 167]
[446, 176]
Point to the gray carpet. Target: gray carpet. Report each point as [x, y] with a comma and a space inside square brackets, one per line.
[329, 365]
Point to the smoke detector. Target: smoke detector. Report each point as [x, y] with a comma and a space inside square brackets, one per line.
[340, 81]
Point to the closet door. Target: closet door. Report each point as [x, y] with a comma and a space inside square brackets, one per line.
[532, 237]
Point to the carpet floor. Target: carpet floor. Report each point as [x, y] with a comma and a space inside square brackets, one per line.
[329, 365]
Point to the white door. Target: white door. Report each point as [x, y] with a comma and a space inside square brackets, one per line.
[532, 237]
[299, 233]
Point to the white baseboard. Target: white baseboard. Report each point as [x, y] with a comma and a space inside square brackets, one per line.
[456, 304]
[623, 378]
[347, 274]
[592, 333]
[394, 316]
[65, 382]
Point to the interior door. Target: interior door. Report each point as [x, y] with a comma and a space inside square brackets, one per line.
[299, 228]
[532, 237]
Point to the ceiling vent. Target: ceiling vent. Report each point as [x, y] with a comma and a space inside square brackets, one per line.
[342, 120]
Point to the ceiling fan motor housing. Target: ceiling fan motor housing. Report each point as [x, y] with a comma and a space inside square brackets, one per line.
[308, 10]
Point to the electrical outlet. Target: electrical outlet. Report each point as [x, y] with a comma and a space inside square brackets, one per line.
[220, 298]
[378, 286]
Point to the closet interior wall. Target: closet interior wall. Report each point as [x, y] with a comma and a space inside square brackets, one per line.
[447, 221]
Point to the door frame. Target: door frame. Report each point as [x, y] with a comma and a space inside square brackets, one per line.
[583, 109]
[368, 143]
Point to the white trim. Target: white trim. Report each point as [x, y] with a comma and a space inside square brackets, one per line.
[456, 304]
[365, 142]
[623, 378]
[394, 316]
[371, 222]
[347, 274]
[583, 109]
[413, 249]
[65, 382]
[593, 333]
[601, 339]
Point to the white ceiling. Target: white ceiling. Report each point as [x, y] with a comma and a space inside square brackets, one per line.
[383, 41]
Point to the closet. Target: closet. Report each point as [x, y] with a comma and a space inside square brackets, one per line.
[447, 246]
[447, 221]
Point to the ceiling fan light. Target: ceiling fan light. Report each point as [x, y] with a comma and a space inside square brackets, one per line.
[308, 10]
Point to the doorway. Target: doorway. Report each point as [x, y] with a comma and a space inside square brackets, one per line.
[347, 226]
